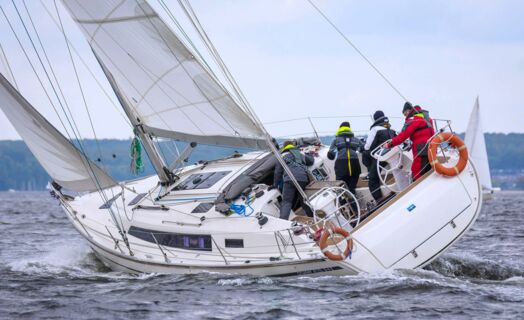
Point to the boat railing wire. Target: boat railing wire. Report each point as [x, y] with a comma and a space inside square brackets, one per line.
[288, 242]
[326, 126]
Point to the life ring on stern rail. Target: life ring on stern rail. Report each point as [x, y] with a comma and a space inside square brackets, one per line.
[455, 142]
[323, 244]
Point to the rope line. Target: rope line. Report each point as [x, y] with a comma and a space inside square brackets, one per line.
[356, 49]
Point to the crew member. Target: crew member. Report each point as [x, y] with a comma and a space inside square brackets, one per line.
[419, 129]
[344, 147]
[297, 164]
[379, 132]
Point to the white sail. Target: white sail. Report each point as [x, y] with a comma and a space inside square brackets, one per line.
[60, 158]
[476, 144]
[170, 92]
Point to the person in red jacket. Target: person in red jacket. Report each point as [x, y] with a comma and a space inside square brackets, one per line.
[419, 129]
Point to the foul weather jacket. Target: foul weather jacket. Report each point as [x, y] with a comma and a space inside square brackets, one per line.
[297, 163]
[345, 145]
[419, 130]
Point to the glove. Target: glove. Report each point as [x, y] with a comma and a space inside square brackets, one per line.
[387, 145]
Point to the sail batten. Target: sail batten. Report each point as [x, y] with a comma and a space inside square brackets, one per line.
[58, 156]
[168, 89]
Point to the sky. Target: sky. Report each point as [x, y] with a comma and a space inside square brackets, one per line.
[291, 63]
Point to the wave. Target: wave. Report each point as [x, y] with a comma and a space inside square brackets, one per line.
[69, 261]
[473, 267]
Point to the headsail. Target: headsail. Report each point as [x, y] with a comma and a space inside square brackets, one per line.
[476, 144]
[170, 92]
[59, 157]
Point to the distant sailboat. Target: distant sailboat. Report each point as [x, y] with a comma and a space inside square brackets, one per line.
[476, 144]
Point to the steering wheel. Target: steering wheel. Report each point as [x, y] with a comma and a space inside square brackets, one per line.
[343, 207]
[390, 155]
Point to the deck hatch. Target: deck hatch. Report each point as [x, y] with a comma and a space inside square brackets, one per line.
[199, 242]
[137, 199]
[203, 207]
[109, 202]
[203, 180]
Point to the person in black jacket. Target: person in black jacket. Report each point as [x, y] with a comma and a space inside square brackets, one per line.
[344, 147]
[379, 132]
[297, 163]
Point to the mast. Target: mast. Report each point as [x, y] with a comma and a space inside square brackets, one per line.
[164, 174]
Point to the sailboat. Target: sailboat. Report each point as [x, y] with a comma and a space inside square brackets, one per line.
[223, 215]
[476, 144]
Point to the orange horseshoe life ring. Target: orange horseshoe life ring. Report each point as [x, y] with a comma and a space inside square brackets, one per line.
[323, 244]
[455, 142]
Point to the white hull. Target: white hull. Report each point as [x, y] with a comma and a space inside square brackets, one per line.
[443, 209]
[299, 268]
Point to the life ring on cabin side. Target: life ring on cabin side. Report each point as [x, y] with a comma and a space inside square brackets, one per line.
[455, 142]
[323, 244]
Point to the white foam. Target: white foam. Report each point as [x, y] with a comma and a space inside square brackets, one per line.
[238, 282]
[72, 258]
[60, 257]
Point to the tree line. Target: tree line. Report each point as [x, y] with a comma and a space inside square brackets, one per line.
[19, 170]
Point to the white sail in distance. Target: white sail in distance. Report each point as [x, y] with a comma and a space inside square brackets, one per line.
[170, 92]
[60, 158]
[476, 144]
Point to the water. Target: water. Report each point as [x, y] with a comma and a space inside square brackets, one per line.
[48, 271]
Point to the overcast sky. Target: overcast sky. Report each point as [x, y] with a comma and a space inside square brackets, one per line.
[291, 63]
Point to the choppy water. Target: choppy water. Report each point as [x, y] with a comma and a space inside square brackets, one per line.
[47, 271]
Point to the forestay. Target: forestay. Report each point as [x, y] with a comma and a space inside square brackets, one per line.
[476, 144]
[60, 158]
[170, 92]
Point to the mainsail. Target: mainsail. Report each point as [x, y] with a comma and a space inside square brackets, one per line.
[476, 144]
[59, 157]
[171, 93]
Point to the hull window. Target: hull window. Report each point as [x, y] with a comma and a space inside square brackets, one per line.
[234, 243]
[175, 240]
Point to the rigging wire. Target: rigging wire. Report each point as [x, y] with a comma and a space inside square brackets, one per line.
[77, 78]
[190, 13]
[356, 49]
[35, 72]
[97, 142]
[196, 52]
[85, 161]
[88, 68]
[51, 70]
